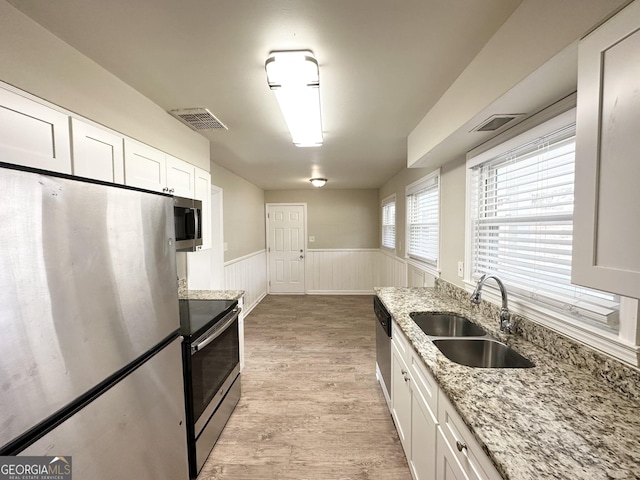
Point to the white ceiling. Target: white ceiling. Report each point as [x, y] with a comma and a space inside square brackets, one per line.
[383, 64]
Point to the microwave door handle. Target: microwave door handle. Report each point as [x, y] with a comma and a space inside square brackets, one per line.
[199, 346]
[196, 221]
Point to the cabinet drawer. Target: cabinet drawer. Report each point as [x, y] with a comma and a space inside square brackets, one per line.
[401, 341]
[467, 450]
[424, 383]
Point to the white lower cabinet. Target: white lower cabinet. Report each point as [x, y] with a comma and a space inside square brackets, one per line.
[436, 441]
[448, 467]
[401, 398]
[467, 451]
[415, 422]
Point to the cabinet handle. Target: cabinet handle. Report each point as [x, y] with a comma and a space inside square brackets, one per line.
[172, 190]
[165, 189]
[403, 372]
[460, 446]
[407, 378]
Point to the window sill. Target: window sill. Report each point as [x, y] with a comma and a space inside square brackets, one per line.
[424, 266]
[607, 342]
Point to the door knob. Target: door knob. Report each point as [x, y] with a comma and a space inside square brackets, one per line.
[301, 256]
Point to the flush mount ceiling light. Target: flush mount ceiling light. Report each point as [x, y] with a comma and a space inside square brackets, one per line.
[294, 78]
[318, 182]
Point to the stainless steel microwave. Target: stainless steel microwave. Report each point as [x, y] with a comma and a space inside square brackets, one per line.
[187, 214]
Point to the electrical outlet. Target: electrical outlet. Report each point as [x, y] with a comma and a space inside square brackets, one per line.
[312, 239]
[461, 269]
[225, 246]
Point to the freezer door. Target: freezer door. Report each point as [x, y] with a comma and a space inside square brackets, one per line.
[87, 285]
[135, 430]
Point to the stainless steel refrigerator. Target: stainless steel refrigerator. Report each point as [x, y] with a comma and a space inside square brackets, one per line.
[90, 357]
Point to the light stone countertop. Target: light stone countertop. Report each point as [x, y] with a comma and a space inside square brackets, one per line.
[210, 294]
[551, 421]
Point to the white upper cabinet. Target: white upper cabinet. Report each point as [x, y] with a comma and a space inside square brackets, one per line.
[180, 178]
[203, 193]
[607, 189]
[32, 134]
[97, 153]
[144, 166]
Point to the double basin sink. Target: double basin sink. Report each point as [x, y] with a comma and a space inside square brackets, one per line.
[464, 342]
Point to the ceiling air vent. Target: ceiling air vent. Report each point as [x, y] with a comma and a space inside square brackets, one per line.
[198, 118]
[494, 122]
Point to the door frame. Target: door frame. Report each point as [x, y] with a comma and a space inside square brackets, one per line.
[267, 246]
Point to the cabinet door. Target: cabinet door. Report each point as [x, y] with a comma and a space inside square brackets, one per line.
[33, 135]
[144, 167]
[447, 466]
[180, 177]
[423, 439]
[606, 226]
[97, 153]
[203, 193]
[401, 398]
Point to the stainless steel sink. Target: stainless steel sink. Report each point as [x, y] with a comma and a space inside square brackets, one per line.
[482, 353]
[437, 324]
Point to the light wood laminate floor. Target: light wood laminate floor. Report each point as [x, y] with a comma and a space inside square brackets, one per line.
[311, 407]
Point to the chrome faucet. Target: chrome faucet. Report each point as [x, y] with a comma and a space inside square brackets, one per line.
[505, 316]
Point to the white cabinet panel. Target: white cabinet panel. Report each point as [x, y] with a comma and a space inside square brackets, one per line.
[97, 153]
[180, 177]
[423, 439]
[203, 193]
[33, 135]
[401, 399]
[144, 167]
[467, 450]
[606, 226]
[447, 466]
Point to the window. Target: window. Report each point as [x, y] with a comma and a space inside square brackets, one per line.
[521, 222]
[389, 222]
[423, 215]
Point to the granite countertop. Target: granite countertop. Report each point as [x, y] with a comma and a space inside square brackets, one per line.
[551, 421]
[210, 294]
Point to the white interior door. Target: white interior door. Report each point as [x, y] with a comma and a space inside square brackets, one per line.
[285, 247]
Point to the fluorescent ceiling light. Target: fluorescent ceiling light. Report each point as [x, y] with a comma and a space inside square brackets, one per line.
[318, 182]
[294, 79]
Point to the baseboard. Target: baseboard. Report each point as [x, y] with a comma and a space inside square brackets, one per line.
[247, 309]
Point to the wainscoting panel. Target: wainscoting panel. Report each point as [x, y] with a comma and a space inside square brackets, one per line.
[248, 273]
[392, 271]
[343, 271]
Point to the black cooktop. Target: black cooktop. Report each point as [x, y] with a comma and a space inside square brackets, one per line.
[197, 316]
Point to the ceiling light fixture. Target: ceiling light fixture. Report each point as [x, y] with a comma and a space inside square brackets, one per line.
[294, 78]
[318, 182]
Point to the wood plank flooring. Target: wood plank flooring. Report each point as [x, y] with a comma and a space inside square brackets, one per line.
[311, 406]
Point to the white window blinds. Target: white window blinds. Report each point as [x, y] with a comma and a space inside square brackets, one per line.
[389, 223]
[522, 226]
[423, 214]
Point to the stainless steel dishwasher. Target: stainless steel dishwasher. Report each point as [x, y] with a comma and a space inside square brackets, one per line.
[383, 344]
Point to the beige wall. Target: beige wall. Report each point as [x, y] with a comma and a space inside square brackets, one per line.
[36, 61]
[337, 218]
[535, 32]
[243, 211]
[452, 213]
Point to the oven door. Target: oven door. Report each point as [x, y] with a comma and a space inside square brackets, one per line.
[214, 357]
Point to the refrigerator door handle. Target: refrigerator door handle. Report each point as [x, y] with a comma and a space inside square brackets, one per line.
[196, 347]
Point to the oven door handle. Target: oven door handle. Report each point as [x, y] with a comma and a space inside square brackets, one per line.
[219, 331]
